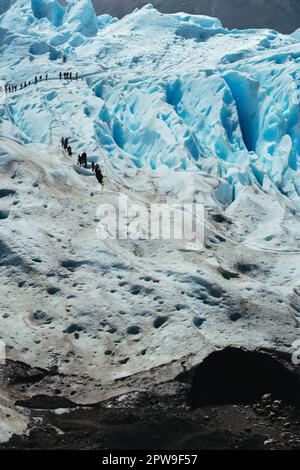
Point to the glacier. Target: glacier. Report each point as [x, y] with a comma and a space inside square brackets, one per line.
[195, 95]
[174, 108]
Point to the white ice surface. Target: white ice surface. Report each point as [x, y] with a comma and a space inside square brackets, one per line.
[174, 108]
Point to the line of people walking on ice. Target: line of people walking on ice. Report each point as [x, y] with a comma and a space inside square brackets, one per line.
[12, 88]
[68, 76]
[82, 160]
[37, 79]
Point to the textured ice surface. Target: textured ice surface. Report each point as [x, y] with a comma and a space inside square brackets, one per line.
[175, 108]
[173, 90]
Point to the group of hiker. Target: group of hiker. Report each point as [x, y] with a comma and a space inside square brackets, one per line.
[65, 145]
[82, 160]
[12, 88]
[39, 78]
[68, 75]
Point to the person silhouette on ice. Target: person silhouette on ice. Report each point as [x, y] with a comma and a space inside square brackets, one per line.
[99, 174]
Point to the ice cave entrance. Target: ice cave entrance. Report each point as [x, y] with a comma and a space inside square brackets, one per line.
[235, 375]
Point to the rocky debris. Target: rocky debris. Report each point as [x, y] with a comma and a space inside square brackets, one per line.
[17, 372]
[150, 420]
[268, 442]
[279, 413]
[46, 402]
[267, 406]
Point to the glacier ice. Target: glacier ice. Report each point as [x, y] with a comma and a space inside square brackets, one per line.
[80, 17]
[174, 108]
[52, 10]
[195, 94]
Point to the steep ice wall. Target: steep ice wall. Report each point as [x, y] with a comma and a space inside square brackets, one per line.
[245, 92]
[177, 91]
[80, 17]
[277, 118]
[52, 10]
[4, 5]
[28, 17]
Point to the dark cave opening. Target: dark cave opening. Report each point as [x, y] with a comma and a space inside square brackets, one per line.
[235, 376]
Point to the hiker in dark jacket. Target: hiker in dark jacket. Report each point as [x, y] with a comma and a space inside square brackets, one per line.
[98, 174]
